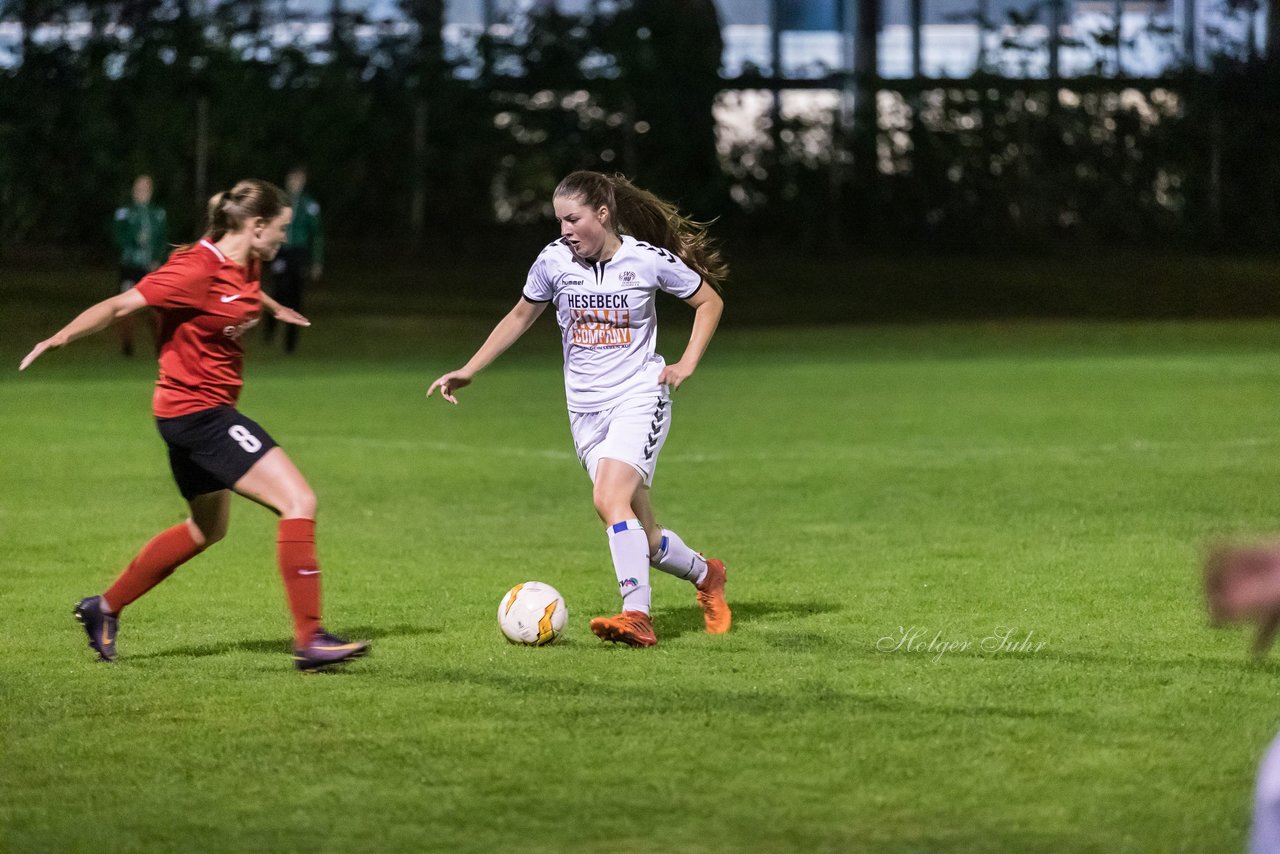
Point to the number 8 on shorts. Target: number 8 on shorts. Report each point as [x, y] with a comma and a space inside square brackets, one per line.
[251, 443]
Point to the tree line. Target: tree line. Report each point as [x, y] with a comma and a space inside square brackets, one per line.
[417, 145]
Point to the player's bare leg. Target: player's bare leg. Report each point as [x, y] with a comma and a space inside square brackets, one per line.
[210, 517]
[275, 482]
[643, 508]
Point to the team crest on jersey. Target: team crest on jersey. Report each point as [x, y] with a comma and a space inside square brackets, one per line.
[626, 276]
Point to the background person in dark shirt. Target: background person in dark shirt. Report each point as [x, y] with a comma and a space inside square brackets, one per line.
[301, 258]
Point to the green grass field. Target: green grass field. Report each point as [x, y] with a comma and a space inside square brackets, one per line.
[948, 481]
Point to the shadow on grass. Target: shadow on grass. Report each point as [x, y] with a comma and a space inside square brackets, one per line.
[674, 622]
[1189, 663]
[280, 644]
[805, 695]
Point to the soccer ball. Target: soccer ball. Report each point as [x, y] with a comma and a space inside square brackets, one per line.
[532, 613]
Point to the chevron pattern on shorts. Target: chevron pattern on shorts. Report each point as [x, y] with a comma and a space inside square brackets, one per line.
[655, 429]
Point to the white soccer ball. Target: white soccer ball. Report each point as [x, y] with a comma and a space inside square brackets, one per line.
[532, 613]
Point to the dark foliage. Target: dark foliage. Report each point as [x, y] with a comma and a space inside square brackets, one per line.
[413, 147]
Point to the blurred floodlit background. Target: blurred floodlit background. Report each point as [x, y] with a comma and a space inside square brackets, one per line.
[814, 131]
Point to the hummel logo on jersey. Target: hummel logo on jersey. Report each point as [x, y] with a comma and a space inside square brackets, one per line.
[231, 298]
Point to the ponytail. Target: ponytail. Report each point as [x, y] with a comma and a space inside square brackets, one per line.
[229, 210]
[248, 199]
[647, 217]
[215, 213]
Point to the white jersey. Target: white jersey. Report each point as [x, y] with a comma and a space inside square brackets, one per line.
[607, 316]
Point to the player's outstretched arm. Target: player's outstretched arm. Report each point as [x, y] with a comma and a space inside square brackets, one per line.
[93, 319]
[506, 333]
[283, 313]
[708, 306]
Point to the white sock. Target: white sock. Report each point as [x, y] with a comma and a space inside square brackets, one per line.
[629, 546]
[677, 559]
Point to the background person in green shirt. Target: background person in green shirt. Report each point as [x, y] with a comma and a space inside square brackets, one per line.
[139, 231]
[300, 260]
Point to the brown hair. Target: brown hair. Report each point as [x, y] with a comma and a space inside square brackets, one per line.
[646, 217]
[250, 198]
[230, 209]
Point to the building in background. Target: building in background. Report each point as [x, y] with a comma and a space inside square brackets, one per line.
[813, 38]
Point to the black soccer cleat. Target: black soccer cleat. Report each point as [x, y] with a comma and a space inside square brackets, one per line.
[325, 650]
[100, 627]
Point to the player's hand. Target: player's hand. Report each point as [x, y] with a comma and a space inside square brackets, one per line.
[47, 344]
[288, 315]
[674, 375]
[1242, 584]
[1267, 626]
[449, 383]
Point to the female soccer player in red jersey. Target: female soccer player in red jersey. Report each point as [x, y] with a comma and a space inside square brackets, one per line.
[619, 246]
[208, 295]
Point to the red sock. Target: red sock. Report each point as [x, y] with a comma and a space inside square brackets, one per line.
[167, 551]
[296, 552]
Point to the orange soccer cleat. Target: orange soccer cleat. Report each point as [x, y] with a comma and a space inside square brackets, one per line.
[634, 628]
[715, 610]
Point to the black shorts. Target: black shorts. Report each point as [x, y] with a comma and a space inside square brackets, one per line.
[211, 449]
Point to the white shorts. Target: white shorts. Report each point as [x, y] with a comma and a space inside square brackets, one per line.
[634, 432]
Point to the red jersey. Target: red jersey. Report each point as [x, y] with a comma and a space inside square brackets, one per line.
[206, 302]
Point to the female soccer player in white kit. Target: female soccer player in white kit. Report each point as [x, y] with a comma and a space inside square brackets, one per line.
[619, 245]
